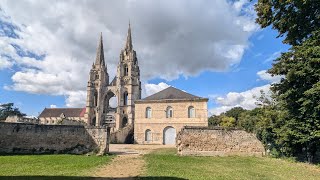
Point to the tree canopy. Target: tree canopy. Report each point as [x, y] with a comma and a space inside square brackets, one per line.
[9, 110]
[294, 19]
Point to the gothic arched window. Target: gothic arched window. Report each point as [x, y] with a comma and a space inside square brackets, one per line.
[191, 112]
[125, 98]
[169, 112]
[126, 70]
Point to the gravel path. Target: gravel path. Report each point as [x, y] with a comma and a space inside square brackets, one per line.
[129, 162]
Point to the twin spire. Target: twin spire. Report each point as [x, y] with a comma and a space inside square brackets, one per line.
[129, 40]
[100, 53]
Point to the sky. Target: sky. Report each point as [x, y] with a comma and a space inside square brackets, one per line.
[209, 48]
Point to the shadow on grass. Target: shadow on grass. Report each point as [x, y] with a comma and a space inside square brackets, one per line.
[85, 178]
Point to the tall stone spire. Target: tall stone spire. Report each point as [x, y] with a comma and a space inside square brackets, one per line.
[129, 40]
[100, 53]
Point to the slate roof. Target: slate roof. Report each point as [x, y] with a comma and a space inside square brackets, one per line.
[171, 93]
[68, 112]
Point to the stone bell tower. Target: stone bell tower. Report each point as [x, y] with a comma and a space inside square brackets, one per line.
[125, 86]
[128, 83]
[98, 80]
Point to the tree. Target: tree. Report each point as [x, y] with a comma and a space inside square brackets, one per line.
[8, 110]
[214, 120]
[235, 112]
[294, 19]
[227, 121]
[299, 95]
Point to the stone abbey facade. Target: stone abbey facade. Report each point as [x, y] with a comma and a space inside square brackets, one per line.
[125, 86]
[153, 120]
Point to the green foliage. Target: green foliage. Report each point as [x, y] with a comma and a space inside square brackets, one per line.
[214, 120]
[228, 121]
[235, 112]
[294, 19]
[8, 110]
[299, 96]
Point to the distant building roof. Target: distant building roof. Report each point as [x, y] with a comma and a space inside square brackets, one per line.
[67, 112]
[171, 93]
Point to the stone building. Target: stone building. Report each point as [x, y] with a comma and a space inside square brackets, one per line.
[19, 119]
[125, 86]
[155, 119]
[159, 117]
[52, 116]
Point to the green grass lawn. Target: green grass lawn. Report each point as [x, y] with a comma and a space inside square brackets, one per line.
[50, 165]
[167, 163]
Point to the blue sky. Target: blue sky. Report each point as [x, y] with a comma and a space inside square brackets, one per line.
[33, 47]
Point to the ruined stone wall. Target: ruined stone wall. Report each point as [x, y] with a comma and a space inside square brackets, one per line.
[124, 135]
[38, 139]
[204, 141]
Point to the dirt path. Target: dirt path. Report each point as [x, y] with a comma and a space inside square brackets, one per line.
[128, 162]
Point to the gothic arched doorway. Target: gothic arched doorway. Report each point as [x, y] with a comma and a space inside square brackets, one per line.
[110, 103]
[124, 121]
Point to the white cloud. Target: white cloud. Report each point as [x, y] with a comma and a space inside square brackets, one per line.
[171, 38]
[53, 106]
[246, 99]
[264, 75]
[149, 89]
[273, 56]
[76, 99]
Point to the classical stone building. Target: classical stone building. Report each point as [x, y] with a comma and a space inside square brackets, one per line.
[125, 86]
[161, 116]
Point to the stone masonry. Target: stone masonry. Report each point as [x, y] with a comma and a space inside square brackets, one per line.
[157, 123]
[204, 141]
[18, 138]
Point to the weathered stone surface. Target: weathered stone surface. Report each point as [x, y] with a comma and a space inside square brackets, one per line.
[18, 138]
[124, 135]
[204, 141]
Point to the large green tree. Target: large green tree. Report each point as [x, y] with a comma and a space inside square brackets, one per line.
[9, 110]
[293, 19]
[299, 95]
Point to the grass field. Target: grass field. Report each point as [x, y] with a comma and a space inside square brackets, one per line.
[49, 165]
[166, 163]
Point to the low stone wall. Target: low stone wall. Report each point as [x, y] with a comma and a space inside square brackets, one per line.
[205, 141]
[18, 138]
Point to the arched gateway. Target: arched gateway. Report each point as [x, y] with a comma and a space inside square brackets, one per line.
[169, 135]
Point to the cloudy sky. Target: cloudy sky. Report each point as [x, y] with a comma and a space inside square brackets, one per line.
[210, 48]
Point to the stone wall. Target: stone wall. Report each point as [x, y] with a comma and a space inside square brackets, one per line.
[205, 141]
[124, 135]
[18, 138]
